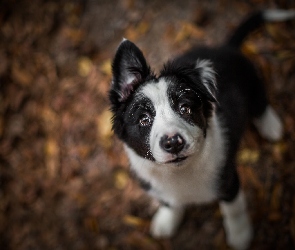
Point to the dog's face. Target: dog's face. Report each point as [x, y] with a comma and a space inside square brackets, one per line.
[165, 118]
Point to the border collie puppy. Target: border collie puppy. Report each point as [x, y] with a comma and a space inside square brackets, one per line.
[182, 129]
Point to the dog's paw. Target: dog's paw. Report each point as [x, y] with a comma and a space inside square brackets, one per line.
[240, 236]
[165, 222]
[269, 125]
[237, 222]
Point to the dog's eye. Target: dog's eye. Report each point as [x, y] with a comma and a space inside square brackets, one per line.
[184, 110]
[145, 120]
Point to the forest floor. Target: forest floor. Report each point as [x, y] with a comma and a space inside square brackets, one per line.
[64, 179]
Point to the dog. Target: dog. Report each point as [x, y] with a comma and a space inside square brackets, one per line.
[181, 129]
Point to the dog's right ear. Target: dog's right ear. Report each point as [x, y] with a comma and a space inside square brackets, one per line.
[129, 69]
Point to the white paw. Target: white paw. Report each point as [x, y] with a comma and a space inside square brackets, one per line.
[165, 222]
[240, 236]
[237, 223]
[269, 125]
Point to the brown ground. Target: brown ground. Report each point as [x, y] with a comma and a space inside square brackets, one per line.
[64, 181]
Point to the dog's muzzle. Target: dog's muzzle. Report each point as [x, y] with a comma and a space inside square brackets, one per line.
[172, 144]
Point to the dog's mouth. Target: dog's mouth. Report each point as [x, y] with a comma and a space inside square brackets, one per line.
[178, 159]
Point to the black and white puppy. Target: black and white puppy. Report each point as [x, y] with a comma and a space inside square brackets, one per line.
[182, 129]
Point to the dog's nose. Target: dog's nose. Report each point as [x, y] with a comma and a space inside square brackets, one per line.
[173, 144]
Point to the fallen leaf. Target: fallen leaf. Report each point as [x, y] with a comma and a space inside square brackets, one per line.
[249, 48]
[91, 224]
[188, 30]
[248, 175]
[21, 76]
[138, 240]
[121, 179]
[248, 156]
[104, 128]
[52, 156]
[278, 150]
[275, 216]
[50, 119]
[136, 222]
[106, 67]
[84, 66]
[1, 126]
[275, 201]
[133, 33]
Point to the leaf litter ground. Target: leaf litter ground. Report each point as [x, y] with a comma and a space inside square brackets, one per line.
[64, 180]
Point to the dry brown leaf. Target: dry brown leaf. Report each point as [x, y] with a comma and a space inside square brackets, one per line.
[249, 48]
[84, 66]
[135, 32]
[128, 4]
[50, 119]
[73, 34]
[275, 216]
[84, 151]
[248, 156]
[104, 128]
[106, 67]
[136, 222]
[4, 63]
[278, 150]
[277, 33]
[275, 201]
[292, 223]
[139, 240]
[121, 179]
[80, 199]
[21, 76]
[91, 224]
[1, 126]
[52, 156]
[250, 176]
[188, 30]
[284, 54]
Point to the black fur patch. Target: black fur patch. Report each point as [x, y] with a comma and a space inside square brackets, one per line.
[126, 125]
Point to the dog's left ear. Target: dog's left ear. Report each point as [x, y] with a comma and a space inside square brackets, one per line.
[208, 77]
[129, 70]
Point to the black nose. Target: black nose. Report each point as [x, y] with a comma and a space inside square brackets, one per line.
[172, 145]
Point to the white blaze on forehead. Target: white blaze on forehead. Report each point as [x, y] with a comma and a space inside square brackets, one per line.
[165, 116]
[156, 92]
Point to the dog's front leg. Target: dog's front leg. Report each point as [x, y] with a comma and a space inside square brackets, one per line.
[166, 221]
[236, 222]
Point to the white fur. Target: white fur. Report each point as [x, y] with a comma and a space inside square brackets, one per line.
[237, 223]
[269, 125]
[167, 122]
[166, 221]
[207, 75]
[278, 15]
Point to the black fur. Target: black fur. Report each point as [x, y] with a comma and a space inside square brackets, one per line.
[256, 19]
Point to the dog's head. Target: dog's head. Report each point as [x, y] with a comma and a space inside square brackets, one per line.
[161, 118]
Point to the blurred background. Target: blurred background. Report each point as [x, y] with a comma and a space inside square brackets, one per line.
[64, 180]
